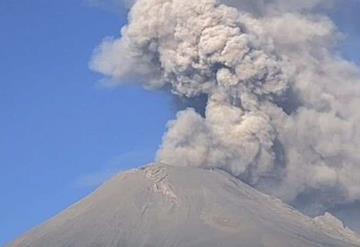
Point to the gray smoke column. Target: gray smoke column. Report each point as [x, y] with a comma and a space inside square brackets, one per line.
[283, 109]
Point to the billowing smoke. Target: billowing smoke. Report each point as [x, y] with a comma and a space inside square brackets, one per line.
[283, 108]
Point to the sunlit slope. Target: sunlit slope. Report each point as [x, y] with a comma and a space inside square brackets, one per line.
[163, 206]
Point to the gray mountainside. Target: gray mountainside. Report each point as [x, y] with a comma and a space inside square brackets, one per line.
[163, 206]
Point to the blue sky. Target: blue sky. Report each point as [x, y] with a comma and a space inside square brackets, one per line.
[61, 134]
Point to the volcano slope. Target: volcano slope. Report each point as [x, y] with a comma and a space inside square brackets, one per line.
[165, 206]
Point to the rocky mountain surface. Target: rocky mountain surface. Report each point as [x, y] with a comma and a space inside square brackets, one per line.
[165, 206]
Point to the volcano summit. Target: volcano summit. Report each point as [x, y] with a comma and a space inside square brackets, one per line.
[167, 206]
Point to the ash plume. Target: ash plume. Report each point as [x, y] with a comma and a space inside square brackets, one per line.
[282, 110]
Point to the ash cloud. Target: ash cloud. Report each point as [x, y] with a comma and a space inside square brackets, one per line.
[282, 110]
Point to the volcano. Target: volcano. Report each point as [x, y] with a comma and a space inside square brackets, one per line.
[165, 206]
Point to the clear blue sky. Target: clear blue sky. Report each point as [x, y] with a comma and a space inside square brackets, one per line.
[60, 133]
